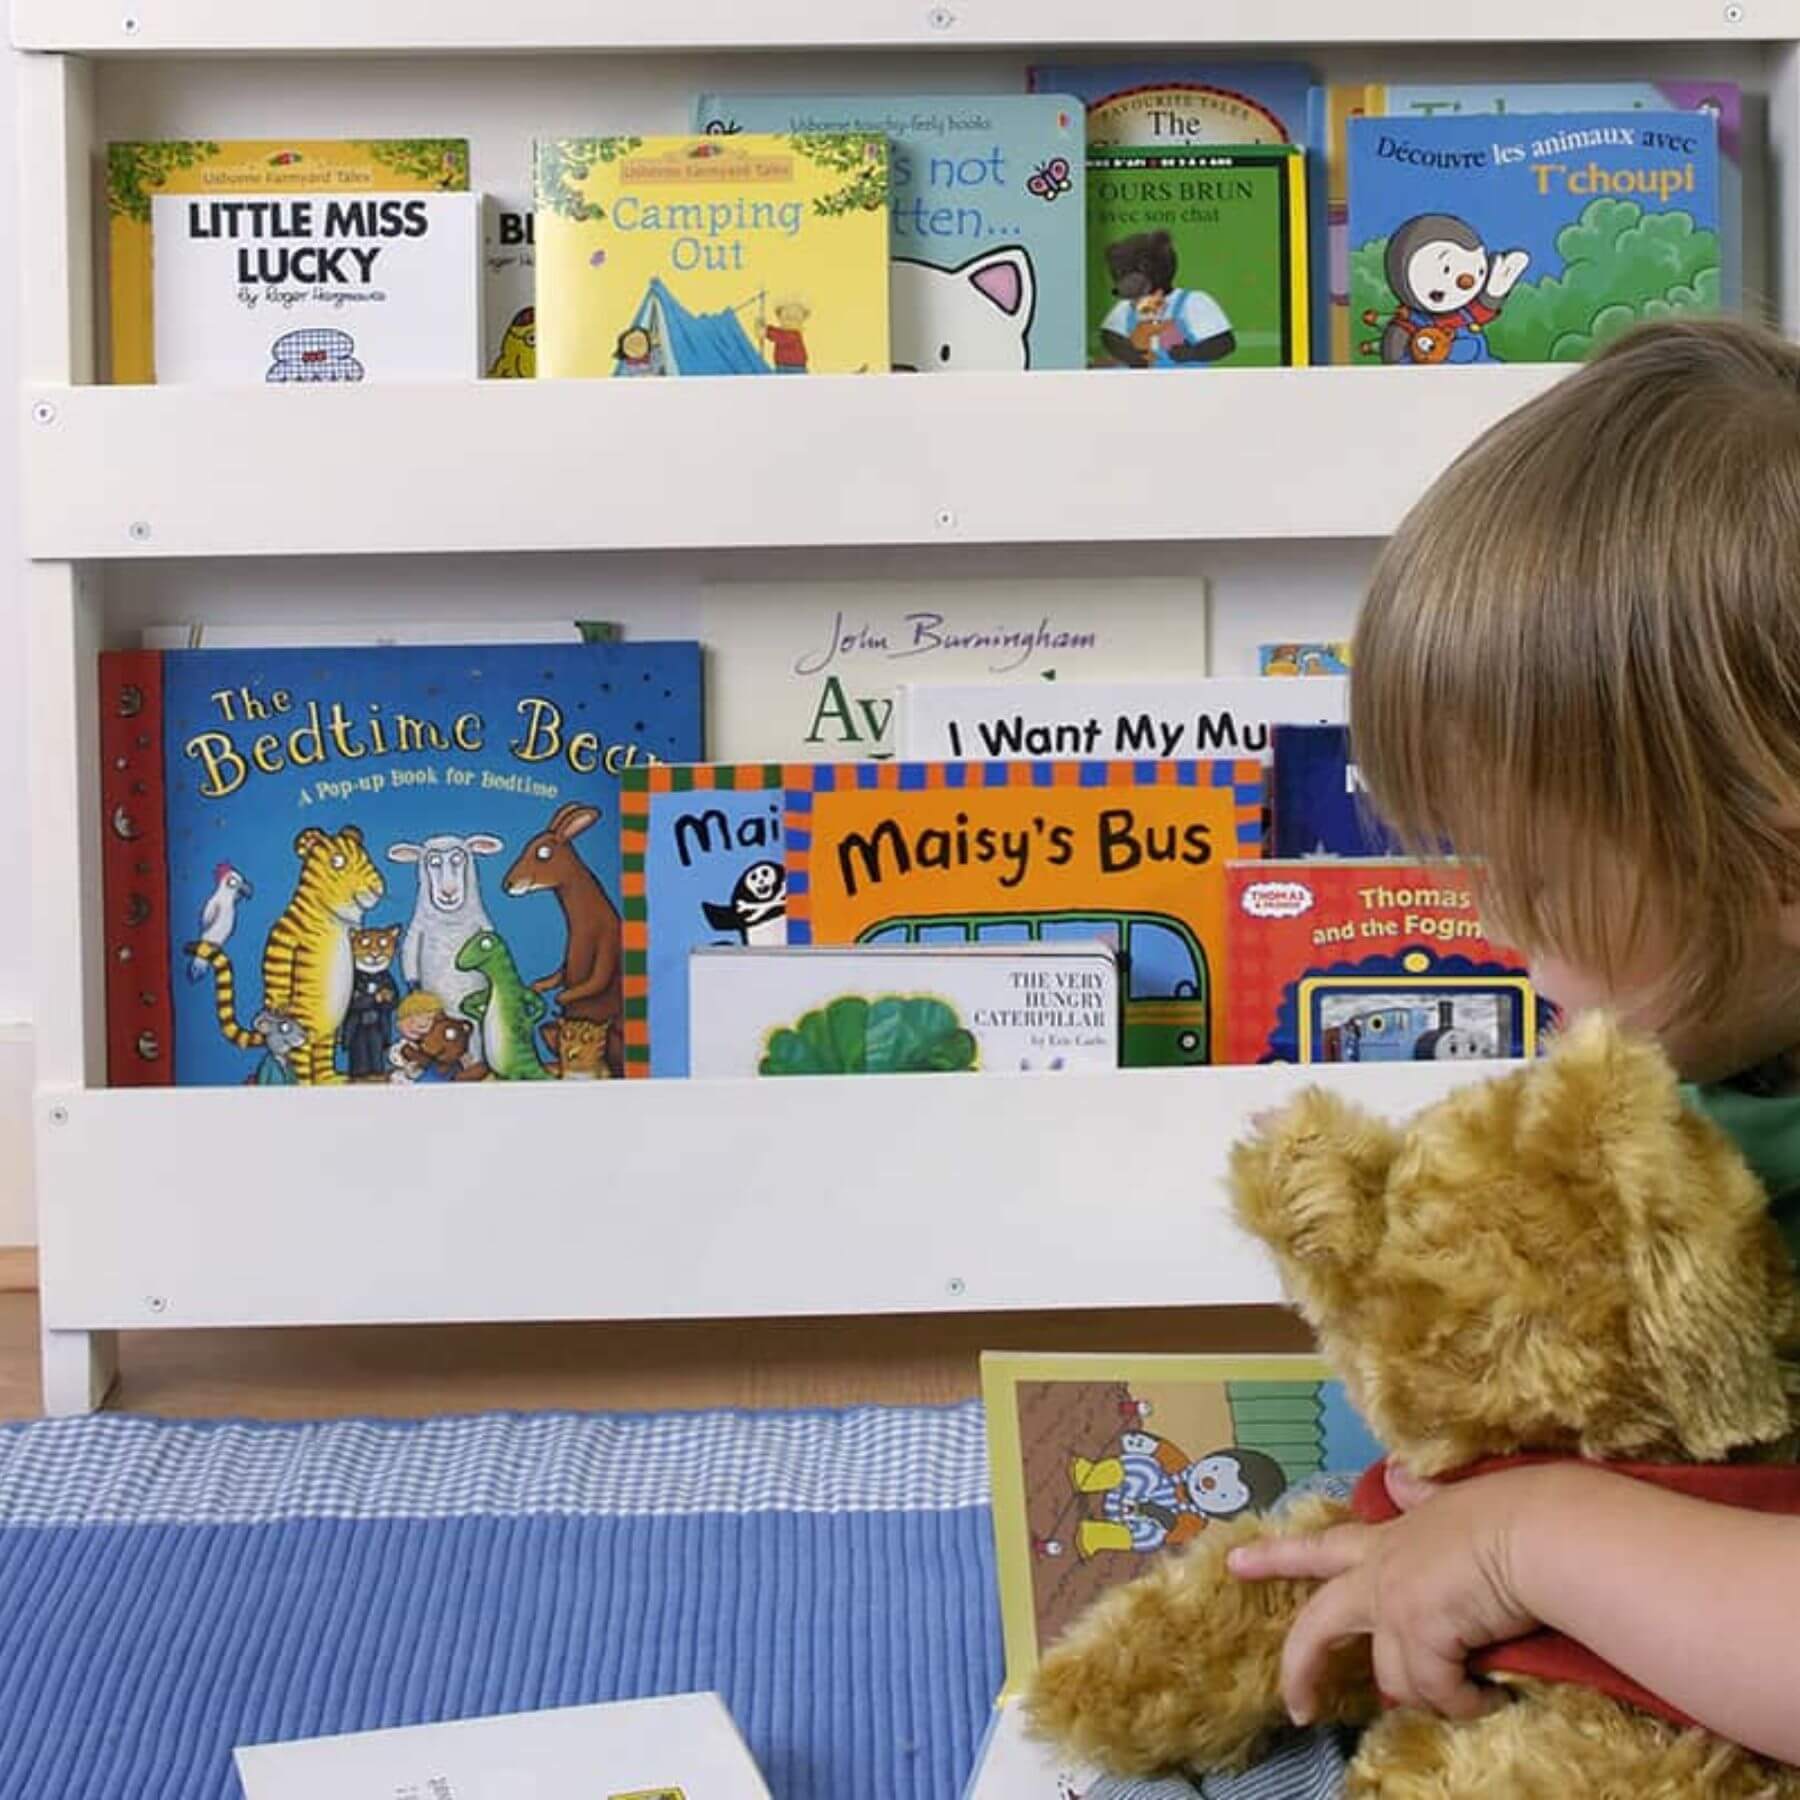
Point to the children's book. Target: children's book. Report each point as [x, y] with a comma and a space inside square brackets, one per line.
[986, 220]
[685, 1747]
[804, 671]
[1400, 100]
[198, 634]
[1129, 853]
[249, 242]
[374, 864]
[1369, 961]
[752, 254]
[1317, 804]
[1164, 104]
[509, 291]
[1197, 255]
[916, 1009]
[1527, 237]
[1214, 716]
[1332, 658]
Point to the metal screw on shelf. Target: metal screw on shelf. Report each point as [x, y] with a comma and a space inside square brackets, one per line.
[139, 531]
[129, 24]
[59, 1115]
[945, 519]
[1734, 15]
[955, 1287]
[156, 1303]
[940, 18]
[43, 413]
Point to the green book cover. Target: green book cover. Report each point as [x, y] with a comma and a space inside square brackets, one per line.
[1196, 257]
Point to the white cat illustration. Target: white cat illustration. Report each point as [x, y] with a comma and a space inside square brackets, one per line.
[974, 316]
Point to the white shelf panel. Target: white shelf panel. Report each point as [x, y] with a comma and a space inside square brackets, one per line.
[573, 465]
[233, 1206]
[137, 26]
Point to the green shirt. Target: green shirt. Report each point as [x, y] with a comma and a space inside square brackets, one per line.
[1766, 1129]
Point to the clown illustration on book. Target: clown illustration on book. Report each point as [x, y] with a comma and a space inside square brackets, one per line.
[1449, 287]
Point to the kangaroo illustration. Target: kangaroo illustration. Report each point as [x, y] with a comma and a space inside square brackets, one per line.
[588, 984]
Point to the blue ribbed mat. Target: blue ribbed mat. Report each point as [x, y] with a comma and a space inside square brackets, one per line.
[168, 1590]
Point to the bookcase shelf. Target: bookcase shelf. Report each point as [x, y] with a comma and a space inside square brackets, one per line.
[1038, 458]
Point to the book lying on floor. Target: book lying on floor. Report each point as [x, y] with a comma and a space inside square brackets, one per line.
[685, 1747]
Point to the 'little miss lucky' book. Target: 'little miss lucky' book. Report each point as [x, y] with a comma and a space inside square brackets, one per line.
[1196, 256]
[1132, 854]
[1527, 237]
[375, 864]
[986, 219]
[349, 252]
[712, 255]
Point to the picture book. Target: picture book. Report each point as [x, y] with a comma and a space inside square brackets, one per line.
[1011, 1764]
[374, 864]
[1331, 658]
[1100, 1463]
[1527, 237]
[198, 634]
[684, 1747]
[1213, 716]
[1177, 105]
[221, 211]
[1130, 853]
[1197, 256]
[1401, 100]
[1317, 805]
[986, 219]
[1369, 961]
[915, 1009]
[805, 671]
[751, 254]
[509, 288]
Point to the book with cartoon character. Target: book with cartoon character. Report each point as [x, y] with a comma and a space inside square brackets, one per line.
[1197, 257]
[747, 254]
[986, 219]
[1527, 237]
[509, 291]
[1413, 100]
[298, 260]
[383, 864]
[1102, 1463]
[1324, 657]
[1369, 960]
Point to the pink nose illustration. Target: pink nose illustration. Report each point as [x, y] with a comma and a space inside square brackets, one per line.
[1465, 282]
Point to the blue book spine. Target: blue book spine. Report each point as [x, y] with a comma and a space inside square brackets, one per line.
[1316, 796]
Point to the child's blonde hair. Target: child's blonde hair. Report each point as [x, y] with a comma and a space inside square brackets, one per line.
[1579, 658]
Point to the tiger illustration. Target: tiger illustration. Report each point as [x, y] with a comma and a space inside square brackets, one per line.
[308, 969]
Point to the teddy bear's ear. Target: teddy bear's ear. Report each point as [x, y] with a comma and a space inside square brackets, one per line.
[1311, 1183]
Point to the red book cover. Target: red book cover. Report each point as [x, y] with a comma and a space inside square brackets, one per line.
[140, 1044]
[1368, 960]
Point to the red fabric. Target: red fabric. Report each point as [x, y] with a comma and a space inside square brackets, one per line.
[790, 346]
[1548, 1655]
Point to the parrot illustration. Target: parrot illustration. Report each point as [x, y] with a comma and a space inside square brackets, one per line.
[218, 917]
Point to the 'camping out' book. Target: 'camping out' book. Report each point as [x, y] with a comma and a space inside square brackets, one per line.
[374, 864]
[1527, 237]
[1197, 256]
[509, 294]
[229, 233]
[986, 220]
[752, 254]
[1130, 853]
[1369, 961]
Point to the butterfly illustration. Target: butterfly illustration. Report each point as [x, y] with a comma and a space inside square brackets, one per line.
[1051, 179]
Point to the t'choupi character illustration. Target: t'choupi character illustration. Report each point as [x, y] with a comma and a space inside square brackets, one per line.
[1155, 1496]
[1449, 287]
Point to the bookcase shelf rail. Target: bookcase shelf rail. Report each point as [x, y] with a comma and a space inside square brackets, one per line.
[724, 463]
[122, 27]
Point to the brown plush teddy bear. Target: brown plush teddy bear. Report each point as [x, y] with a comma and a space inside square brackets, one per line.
[1565, 1260]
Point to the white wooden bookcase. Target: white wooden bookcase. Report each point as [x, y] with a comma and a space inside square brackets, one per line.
[231, 1207]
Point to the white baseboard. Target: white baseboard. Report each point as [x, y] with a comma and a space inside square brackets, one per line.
[18, 1208]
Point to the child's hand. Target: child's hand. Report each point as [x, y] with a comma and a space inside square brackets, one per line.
[1429, 1589]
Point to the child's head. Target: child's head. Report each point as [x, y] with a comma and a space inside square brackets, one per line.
[793, 314]
[1580, 661]
[634, 344]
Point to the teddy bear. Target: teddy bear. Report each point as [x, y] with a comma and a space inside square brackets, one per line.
[1566, 1260]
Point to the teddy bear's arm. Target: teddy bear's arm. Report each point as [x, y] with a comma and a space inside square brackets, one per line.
[1182, 1667]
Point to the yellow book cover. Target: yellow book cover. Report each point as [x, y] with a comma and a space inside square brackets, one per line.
[140, 174]
[741, 254]
[1100, 1463]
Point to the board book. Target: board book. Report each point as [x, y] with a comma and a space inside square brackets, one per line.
[1377, 960]
[1409, 100]
[682, 1747]
[1528, 237]
[753, 254]
[149, 186]
[375, 864]
[1130, 853]
[1330, 657]
[509, 288]
[1197, 256]
[985, 223]
[927, 1009]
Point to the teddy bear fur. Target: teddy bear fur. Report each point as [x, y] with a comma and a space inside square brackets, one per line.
[1567, 1258]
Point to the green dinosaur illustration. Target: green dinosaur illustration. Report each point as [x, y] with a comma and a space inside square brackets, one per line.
[507, 1009]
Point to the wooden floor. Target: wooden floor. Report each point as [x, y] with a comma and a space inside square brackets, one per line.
[406, 1371]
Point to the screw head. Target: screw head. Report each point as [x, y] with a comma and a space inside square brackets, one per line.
[59, 1115]
[946, 519]
[940, 18]
[129, 24]
[43, 413]
[955, 1287]
[156, 1303]
[1734, 14]
[139, 531]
